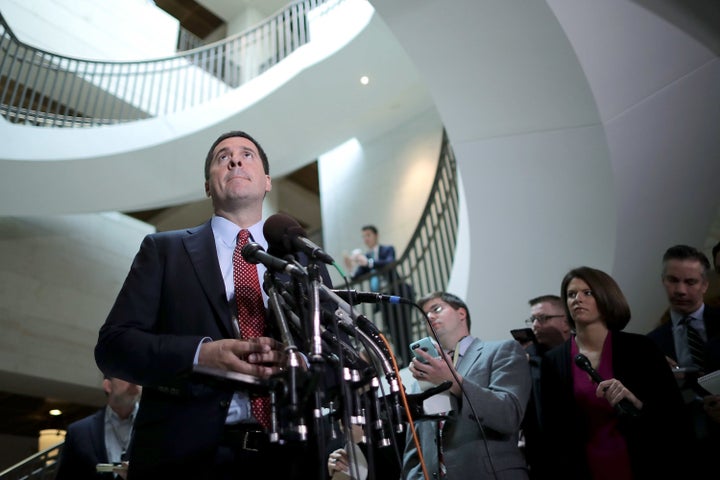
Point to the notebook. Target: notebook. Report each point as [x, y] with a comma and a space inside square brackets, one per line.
[711, 382]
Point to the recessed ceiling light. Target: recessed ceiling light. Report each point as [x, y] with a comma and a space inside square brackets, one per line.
[364, 79]
[55, 412]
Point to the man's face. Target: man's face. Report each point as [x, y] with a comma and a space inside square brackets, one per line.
[684, 285]
[446, 320]
[236, 174]
[549, 324]
[121, 393]
[370, 238]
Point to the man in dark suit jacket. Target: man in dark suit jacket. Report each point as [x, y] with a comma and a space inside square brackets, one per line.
[685, 278]
[177, 309]
[550, 327]
[88, 442]
[377, 258]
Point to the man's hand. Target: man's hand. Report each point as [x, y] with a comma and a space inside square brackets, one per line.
[338, 461]
[435, 371]
[260, 356]
[122, 470]
[361, 259]
[679, 374]
[711, 404]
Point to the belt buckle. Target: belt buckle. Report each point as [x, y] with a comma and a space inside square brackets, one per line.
[246, 438]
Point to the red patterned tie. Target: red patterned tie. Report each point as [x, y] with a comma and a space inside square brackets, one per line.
[251, 314]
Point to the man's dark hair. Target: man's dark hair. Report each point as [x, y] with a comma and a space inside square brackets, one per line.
[715, 251]
[235, 133]
[686, 252]
[452, 300]
[610, 300]
[372, 228]
[552, 299]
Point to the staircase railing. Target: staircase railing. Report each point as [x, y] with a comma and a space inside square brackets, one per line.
[41, 88]
[40, 466]
[424, 267]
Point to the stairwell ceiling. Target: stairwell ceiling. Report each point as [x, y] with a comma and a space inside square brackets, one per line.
[317, 110]
[229, 9]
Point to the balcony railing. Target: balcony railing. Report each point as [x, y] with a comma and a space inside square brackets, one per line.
[44, 89]
[41, 466]
[424, 267]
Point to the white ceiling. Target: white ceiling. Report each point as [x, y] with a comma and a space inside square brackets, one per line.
[229, 9]
[157, 163]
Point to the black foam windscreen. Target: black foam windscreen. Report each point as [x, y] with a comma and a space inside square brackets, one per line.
[278, 230]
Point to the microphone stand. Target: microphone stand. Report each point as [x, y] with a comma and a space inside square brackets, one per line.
[315, 282]
[288, 381]
[368, 334]
[317, 361]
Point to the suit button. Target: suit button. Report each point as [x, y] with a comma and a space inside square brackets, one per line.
[224, 404]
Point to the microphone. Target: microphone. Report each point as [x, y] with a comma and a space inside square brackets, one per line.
[355, 297]
[623, 406]
[254, 253]
[285, 235]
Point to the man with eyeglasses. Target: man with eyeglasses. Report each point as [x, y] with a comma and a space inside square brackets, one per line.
[551, 328]
[490, 385]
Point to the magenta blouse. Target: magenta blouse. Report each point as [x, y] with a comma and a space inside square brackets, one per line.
[606, 450]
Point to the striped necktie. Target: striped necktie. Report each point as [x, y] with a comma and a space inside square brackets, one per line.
[696, 344]
[441, 422]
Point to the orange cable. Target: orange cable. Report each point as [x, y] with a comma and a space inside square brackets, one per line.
[407, 408]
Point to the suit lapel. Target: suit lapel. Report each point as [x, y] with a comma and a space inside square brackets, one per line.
[200, 246]
[711, 317]
[97, 435]
[471, 356]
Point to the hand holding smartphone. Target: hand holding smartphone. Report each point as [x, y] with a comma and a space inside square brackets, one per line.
[523, 335]
[426, 345]
[107, 467]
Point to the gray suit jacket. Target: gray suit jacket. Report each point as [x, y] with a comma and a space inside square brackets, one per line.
[497, 382]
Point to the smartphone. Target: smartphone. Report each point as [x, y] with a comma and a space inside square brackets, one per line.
[523, 335]
[426, 345]
[107, 467]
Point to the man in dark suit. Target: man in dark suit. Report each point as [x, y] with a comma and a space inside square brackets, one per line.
[102, 437]
[685, 278]
[375, 263]
[375, 258]
[550, 327]
[178, 309]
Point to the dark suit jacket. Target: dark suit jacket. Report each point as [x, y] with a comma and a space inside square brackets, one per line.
[172, 298]
[84, 448]
[708, 431]
[531, 422]
[386, 255]
[656, 438]
[663, 337]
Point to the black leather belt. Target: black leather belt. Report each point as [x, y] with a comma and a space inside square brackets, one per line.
[245, 436]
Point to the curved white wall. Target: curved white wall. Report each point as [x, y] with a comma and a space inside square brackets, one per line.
[585, 132]
[158, 162]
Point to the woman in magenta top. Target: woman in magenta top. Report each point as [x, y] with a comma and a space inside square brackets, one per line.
[630, 425]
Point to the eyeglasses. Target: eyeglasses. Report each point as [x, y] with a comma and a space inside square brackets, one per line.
[436, 309]
[541, 319]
